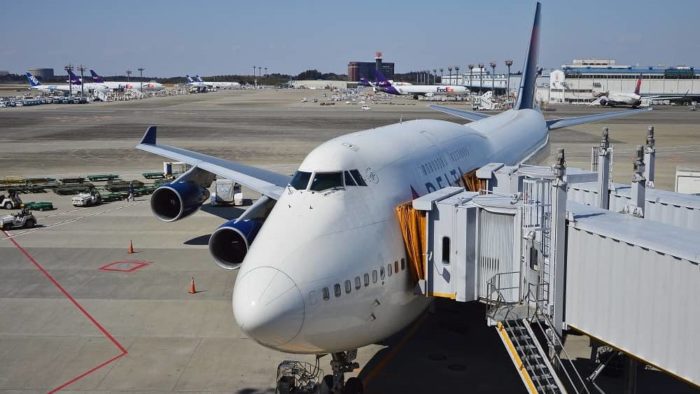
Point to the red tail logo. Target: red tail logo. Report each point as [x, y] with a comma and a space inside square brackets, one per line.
[639, 85]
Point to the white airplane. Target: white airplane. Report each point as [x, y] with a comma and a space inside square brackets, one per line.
[387, 86]
[322, 266]
[34, 84]
[635, 99]
[151, 86]
[195, 85]
[217, 84]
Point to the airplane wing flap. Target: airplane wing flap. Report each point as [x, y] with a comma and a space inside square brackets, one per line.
[263, 181]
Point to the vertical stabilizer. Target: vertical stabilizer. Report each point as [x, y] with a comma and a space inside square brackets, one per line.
[526, 94]
[33, 82]
[639, 85]
[95, 77]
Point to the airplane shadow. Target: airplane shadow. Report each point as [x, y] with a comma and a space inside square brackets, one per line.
[224, 212]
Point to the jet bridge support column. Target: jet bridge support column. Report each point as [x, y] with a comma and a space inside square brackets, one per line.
[638, 192]
[558, 239]
[604, 171]
[650, 158]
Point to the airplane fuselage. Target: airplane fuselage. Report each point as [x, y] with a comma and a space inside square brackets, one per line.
[342, 243]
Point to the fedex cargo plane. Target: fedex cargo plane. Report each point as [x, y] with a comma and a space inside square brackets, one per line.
[320, 259]
[417, 90]
[151, 86]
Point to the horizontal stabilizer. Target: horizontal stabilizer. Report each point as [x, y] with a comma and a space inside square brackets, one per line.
[553, 124]
[468, 115]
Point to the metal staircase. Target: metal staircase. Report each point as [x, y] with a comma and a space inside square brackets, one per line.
[531, 362]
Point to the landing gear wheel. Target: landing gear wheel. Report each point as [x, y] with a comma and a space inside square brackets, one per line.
[327, 385]
[8, 205]
[353, 386]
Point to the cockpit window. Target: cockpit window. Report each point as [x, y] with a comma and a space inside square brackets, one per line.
[348, 179]
[358, 177]
[326, 180]
[300, 180]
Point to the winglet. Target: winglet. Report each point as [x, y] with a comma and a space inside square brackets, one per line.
[150, 137]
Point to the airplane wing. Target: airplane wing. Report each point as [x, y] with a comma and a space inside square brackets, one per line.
[468, 115]
[553, 124]
[263, 181]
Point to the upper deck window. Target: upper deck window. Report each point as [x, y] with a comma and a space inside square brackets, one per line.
[300, 180]
[326, 180]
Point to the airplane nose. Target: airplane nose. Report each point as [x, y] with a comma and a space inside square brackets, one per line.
[268, 306]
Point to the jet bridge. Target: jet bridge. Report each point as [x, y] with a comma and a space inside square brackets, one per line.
[545, 263]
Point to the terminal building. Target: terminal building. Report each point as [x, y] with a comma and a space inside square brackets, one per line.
[584, 79]
[357, 70]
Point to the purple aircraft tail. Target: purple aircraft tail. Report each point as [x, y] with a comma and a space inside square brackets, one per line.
[95, 77]
[74, 78]
[381, 80]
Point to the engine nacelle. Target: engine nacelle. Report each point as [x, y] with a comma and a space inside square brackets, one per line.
[230, 242]
[177, 200]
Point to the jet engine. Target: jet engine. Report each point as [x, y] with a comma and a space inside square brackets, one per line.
[229, 244]
[183, 196]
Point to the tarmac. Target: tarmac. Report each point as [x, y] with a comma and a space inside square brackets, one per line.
[78, 313]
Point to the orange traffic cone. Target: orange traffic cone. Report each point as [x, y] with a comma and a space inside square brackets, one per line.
[193, 289]
[131, 247]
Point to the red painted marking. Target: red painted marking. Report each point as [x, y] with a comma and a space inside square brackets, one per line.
[131, 265]
[122, 350]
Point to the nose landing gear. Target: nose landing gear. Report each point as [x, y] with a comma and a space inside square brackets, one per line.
[341, 363]
[302, 378]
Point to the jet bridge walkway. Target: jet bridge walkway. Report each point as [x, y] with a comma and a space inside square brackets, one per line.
[545, 263]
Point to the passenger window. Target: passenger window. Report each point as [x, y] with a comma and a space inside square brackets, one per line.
[348, 286]
[327, 180]
[366, 280]
[446, 250]
[326, 294]
[300, 180]
[374, 276]
[381, 272]
[396, 266]
[403, 264]
[388, 269]
[358, 177]
[358, 283]
[336, 289]
[348, 179]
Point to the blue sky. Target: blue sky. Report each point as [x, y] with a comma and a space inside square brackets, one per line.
[170, 38]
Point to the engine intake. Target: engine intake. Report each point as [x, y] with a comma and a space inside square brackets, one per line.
[177, 200]
[229, 244]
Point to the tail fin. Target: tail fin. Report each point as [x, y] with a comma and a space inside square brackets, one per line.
[639, 85]
[198, 78]
[526, 94]
[32, 80]
[189, 79]
[74, 78]
[96, 77]
[381, 79]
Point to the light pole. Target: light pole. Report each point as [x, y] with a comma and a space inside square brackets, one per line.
[442, 72]
[255, 81]
[493, 78]
[128, 76]
[481, 77]
[69, 67]
[82, 69]
[260, 72]
[450, 70]
[434, 76]
[471, 83]
[266, 72]
[508, 64]
[141, 77]
[457, 74]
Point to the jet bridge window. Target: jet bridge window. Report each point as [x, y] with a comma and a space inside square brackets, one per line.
[446, 250]
[326, 180]
[300, 180]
